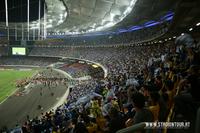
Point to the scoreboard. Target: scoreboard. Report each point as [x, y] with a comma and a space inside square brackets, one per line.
[21, 47]
[18, 51]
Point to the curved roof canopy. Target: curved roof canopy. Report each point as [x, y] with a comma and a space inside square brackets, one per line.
[69, 16]
[78, 16]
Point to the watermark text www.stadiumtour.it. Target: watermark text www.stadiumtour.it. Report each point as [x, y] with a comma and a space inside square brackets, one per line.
[168, 125]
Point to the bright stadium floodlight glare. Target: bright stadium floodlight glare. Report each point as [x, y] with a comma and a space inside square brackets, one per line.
[128, 10]
[61, 16]
[182, 34]
[112, 16]
[110, 21]
[103, 21]
[99, 28]
[49, 26]
[33, 27]
[53, 18]
[190, 29]
[95, 66]
[198, 24]
[110, 24]
[94, 25]
[65, 14]
[60, 21]
[50, 20]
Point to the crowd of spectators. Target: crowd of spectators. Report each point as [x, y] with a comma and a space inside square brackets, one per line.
[3, 50]
[27, 60]
[143, 84]
[76, 70]
[81, 90]
[119, 37]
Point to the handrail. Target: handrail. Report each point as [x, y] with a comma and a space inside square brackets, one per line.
[132, 129]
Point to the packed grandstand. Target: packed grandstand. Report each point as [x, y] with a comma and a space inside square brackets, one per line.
[144, 81]
[157, 76]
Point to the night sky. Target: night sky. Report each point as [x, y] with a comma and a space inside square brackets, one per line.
[17, 10]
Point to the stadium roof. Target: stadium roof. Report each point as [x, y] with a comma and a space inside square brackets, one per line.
[81, 16]
[186, 20]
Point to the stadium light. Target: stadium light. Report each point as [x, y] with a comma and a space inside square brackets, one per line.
[190, 29]
[182, 34]
[65, 14]
[198, 24]
[112, 16]
[174, 37]
[61, 15]
[50, 20]
[111, 23]
[49, 26]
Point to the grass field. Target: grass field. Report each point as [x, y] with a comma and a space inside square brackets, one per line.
[8, 79]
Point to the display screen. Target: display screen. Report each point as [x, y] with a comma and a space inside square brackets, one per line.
[18, 51]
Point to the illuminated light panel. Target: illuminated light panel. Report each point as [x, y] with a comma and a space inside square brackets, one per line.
[49, 26]
[112, 16]
[152, 24]
[122, 30]
[169, 18]
[134, 28]
[95, 66]
[168, 15]
[198, 24]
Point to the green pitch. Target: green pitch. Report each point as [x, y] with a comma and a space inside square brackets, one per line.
[8, 79]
